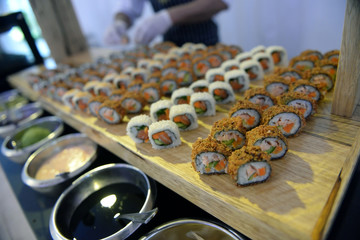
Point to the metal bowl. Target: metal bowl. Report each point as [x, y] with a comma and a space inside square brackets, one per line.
[57, 184]
[183, 229]
[91, 183]
[20, 155]
[7, 100]
[11, 119]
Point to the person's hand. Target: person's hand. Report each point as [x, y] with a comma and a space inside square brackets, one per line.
[155, 25]
[116, 33]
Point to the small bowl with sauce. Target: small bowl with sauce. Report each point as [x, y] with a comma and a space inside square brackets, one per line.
[30, 136]
[51, 168]
[86, 209]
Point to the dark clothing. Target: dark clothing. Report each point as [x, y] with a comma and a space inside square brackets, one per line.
[205, 32]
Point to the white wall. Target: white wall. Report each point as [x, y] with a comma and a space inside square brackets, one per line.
[296, 25]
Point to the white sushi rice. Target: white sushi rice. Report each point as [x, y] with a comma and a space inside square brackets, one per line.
[255, 67]
[244, 170]
[79, 97]
[225, 86]
[137, 121]
[104, 87]
[286, 117]
[244, 56]
[228, 64]
[208, 99]
[180, 93]
[109, 78]
[199, 83]
[128, 71]
[143, 73]
[270, 63]
[267, 143]
[240, 76]
[159, 57]
[68, 97]
[211, 73]
[185, 109]
[301, 103]
[283, 55]
[259, 48]
[156, 106]
[170, 128]
[143, 63]
[90, 86]
[154, 64]
[122, 79]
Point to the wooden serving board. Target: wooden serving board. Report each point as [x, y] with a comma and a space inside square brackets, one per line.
[293, 204]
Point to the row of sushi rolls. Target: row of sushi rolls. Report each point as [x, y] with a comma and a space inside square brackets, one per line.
[181, 84]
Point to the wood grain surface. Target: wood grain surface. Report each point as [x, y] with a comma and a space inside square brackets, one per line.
[293, 204]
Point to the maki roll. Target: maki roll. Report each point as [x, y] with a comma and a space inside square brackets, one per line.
[290, 74]
[170, 68]
[154, 66]
[181, 96]
[279, 55]
[143, 63]
[140, 74]
[95, 103]
[269, 139]
[160, 110]
[168, 84]
[203, 103]
[60, 89]
[164, 134]
[229, 65]
[81, 101]
[308, 88]
[253, 69]
[329, 66]
[185, 77]
[242, 57]
[313, 54]
[257, 49]
[79, 82]
[200, 86]
[185, 62]
[321, 78]
[103, 89]
[215, 75]
[208, 156]
[238, 80]
[67, 98]
[234, 50]
[332, 55]
[150, 92]
[117, 94]
[122, 81]
[303, 63]
[249, 112]
[132, 102]
[265, 61]
[184, 116]
[276, 85]
[128, 70]
[230, 132]
[90, 87]
[260, 97]
[138, 128]
[170, 58]
[305, 104]
[154, 77]
[200, 67]
[111, 112]
[287, 118]
[249, 165]
[135, 86]
[109, 78]
[222, 92]
[215, 58]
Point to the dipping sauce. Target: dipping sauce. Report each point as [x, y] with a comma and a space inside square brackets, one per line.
[67, 160]
[94, 218]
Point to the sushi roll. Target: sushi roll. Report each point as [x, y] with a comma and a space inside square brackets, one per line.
[103, 89]
[215, 75]
[181, 96]
[109, 78]
[332, 55]
[222, 92]
[303, 63]
[168, 84]
[208, 156]
[200, 67]
[321, 78]
[140, 74]
[305, 104]
[159, 57]
[238, 80]
[278, 55]
[117, 94]
[234, 50]
[81, 101]
[229, 65]
[151, 92]
[200, 86]
[257, 49]
[184, 62]
[290, 74]
[154, 77]
[203, 103]
[128, 70]
[184, 116]
[143, 63]
[67, 98]
[249, 112]
[308, 88]
[230, 132]
[313, 54]
[135, 85]
[265, 61]
[164, 134]
[249, 165]
[138, 128]
[253, 69]
[122, 81]
[276, 85]
[127, 65]
[154, 66]
[225, 52]
[183, 52]
[170, 58]
[198, 47]
[160, 110]
[170, 68]
[111, 112]
[198, 54]
[260, 97]
[287, 118]
[215, 58]
[185, 77]
[329, 66]
[132, 102]
[90, 87]
[269, 139]
[244, 56]
[95, 103]
[60, 89]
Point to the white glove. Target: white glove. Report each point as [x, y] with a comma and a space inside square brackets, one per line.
[116, 33]
[155, 25]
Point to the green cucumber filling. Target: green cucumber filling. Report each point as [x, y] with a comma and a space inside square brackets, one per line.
[271, 149]
[228, 142]
[199, 110]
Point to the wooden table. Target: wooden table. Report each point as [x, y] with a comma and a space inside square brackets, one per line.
[299, 200]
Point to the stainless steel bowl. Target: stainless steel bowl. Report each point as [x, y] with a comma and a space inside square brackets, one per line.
[12, 118]
[92, 182]
[54, 124]
[183, 229]
[57, 184]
